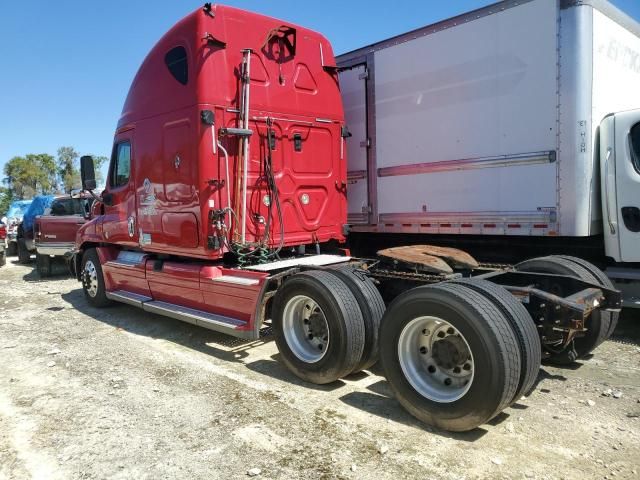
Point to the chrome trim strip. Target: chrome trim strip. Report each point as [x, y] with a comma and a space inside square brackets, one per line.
[57, 249]
[236, 280]
[517, 160]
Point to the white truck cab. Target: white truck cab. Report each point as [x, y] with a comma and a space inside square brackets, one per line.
[620, 178]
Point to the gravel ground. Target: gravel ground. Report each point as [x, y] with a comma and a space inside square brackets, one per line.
[120, 393]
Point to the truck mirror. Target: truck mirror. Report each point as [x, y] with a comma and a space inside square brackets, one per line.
[87, 172]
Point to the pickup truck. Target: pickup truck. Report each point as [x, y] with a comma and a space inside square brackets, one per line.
[55, 230]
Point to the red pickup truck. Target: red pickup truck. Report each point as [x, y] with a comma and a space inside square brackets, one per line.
[55, 231]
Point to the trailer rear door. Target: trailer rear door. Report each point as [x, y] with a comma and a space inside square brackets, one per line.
[353, 84]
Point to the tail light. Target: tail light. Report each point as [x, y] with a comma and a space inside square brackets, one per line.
[3, 232]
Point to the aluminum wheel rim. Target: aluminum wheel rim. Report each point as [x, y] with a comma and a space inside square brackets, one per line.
[428, 373]
[305, 329]
[90, 279]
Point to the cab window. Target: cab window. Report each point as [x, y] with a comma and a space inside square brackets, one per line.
[71, 206]
[634, 140]
[121, 170]
[176, 62]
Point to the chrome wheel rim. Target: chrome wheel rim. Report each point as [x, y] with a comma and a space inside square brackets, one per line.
[90, 279]
[436, 359]
[305, 329]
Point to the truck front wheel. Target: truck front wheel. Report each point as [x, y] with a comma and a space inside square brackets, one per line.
[450, 356]
[93, 280]
[318, 327]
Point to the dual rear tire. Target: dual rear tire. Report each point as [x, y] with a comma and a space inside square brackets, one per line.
[457, 354]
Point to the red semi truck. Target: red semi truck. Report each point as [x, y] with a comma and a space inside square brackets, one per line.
[225, 206]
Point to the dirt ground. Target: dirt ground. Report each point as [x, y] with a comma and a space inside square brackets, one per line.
[120, 393]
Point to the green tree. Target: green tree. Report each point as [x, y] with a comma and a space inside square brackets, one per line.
[67, 164]
[30, 175]
[6, 197]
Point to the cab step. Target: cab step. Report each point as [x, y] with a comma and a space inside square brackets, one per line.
[211, 321]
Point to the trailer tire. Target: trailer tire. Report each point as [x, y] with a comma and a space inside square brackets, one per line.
[318, 326]
[93, 280]
[12, 249]
[523, 327]
[372, 307]
[24, 256]
[43, 265]
[492, 357]
[598, 324]
[602, 280]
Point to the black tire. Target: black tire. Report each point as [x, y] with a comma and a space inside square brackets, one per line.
[597, 324]
[43, 265]
[24, 256]
[490, 339]
[372, 307]
[602, 280]
[523, 327]
[99, 299]
[12, 249]
[343, 321]
[3, 258]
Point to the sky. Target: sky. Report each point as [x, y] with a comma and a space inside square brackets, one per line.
[66, 65]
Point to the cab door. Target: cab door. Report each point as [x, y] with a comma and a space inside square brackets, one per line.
[620, 169]
[120, 220]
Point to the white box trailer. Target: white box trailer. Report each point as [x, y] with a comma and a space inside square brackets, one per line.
[488, 124]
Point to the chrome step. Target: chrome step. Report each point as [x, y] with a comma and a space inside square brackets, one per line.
[129, 298]
[236, 280]
[211, 321]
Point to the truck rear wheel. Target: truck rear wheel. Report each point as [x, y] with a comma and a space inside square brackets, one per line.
[12, 249]
[43, 265]
[522, 325]
[3, 258]
[372, 307]
[450, 356]
[597, 324]
[602, 280]
[24, 256]
[93, 280]
[318, 327]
